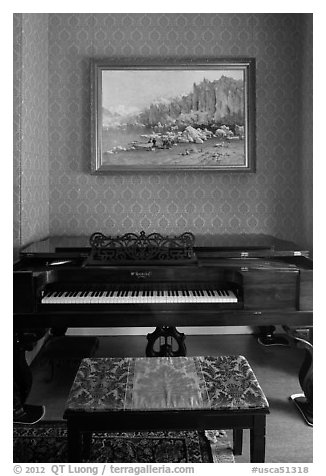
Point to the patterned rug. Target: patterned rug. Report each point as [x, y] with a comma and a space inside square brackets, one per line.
[46, 442]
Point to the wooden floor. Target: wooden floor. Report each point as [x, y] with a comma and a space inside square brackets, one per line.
[289, 438]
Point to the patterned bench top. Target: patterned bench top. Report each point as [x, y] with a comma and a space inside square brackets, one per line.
[165, 383]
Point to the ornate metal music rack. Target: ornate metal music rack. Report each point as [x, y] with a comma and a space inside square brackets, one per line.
[133, 248]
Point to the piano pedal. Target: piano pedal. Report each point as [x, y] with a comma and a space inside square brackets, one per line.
[165, 336]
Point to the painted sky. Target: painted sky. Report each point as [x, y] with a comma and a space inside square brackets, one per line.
[135, 89]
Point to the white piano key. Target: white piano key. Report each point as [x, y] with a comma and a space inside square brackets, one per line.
[140, 296]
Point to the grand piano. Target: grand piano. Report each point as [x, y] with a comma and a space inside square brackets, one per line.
[138, 280]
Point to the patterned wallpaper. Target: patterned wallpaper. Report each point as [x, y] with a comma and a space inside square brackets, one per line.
[65, 199]
[205, 203]
[306, 145]
[17, 105]
[31, 158]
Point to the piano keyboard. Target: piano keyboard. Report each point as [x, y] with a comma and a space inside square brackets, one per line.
[139, 296]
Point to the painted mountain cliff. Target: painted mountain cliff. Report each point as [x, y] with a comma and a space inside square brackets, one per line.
[220, 101]
[210, 102]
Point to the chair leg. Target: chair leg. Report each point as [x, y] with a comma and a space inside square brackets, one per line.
[237, 441]
[257, 439]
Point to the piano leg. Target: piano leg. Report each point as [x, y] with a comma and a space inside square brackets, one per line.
[267, 337]
[22, 378]
[166, 335]
[304, 401]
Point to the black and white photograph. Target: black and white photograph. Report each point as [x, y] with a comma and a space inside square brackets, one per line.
[162, 290]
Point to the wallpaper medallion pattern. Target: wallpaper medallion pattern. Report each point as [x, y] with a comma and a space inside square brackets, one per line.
[17, 94]
[31, 157]
[203, 203]
[207, 204]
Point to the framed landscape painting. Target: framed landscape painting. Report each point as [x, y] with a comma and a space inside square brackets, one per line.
[173, 116]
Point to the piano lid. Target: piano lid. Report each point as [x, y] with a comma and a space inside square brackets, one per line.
[246, 246]
[206, 246]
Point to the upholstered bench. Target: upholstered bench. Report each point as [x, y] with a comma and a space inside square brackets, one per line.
[166, 393]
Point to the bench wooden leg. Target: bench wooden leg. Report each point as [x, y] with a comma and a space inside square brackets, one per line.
[257, 439]
[87, 441]
[237, 441]
[74, 444]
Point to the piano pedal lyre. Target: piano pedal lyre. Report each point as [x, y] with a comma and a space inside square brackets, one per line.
[166, 336]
